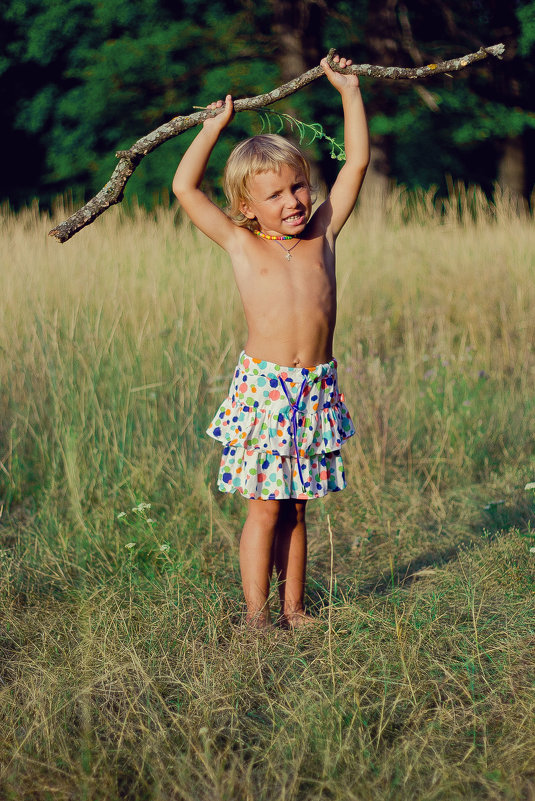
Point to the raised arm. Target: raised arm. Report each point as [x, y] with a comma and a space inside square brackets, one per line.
[200, 209]
[334, 212]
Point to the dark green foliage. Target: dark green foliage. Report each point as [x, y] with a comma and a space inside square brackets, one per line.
[87, 79]
[80, 80]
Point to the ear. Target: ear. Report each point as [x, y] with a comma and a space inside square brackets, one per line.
[246, 211]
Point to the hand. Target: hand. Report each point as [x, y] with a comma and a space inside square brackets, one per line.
[339, 80]
[221, 120]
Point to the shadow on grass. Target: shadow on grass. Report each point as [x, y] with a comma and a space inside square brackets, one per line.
[400, 575]
[517, 512]
[497, 518]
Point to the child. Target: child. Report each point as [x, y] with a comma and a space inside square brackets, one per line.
[284, 421]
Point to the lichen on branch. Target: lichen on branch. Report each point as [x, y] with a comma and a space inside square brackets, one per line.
[113, 190]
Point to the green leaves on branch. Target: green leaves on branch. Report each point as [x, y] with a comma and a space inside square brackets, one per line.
[308, 132]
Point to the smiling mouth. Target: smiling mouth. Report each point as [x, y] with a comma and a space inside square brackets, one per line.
[294, 218]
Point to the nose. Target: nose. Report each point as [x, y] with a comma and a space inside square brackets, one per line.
[292, 200]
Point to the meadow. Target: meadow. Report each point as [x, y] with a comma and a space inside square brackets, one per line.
[125, 670]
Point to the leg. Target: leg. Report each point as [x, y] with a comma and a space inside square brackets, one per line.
[290, 561]
[256, 560]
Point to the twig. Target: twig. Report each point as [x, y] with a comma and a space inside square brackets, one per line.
[113, 190]
[330, 626]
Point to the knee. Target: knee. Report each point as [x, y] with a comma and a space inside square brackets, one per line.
[266, 513]
[294, 512]
[299, 512]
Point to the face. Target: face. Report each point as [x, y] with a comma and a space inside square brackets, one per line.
[280, 201]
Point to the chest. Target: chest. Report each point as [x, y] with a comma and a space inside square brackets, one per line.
[306, 266]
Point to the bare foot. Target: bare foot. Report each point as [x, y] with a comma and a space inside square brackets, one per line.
[259, 621]
[297, 620]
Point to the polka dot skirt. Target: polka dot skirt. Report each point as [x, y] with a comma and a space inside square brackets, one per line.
[282, 429]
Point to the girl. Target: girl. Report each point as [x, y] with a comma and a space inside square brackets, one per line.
[284, 421]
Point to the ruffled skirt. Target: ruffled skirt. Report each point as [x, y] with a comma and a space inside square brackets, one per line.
[282, 429]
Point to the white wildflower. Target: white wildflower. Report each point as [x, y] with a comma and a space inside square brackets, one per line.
[164, 547]
[529, 486]
[141, 507]
[120, 515]
[130, 545]
[532, 549]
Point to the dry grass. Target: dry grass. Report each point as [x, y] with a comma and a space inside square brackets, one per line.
[124, 671]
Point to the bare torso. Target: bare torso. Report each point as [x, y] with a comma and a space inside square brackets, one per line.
[290, 305]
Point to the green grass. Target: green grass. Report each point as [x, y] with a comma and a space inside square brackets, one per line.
[124, 669]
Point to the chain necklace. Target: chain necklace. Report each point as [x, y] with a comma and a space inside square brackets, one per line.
[278, 239]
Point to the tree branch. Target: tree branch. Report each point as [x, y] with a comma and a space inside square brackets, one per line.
[113, 190]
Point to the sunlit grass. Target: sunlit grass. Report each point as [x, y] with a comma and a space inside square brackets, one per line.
[124, 670]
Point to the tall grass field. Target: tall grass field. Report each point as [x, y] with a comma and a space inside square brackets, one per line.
[125, 669]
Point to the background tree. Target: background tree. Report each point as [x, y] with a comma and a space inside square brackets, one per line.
[79, 80]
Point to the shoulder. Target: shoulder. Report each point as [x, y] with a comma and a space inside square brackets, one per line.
[241, 242]
[244, 236]
[320, 224]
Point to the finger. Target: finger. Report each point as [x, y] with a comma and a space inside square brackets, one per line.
[326, 66]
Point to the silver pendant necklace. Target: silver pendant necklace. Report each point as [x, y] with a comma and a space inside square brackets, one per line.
[288, 250]
[277, 239]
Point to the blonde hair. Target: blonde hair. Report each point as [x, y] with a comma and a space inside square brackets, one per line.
[261, 153]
